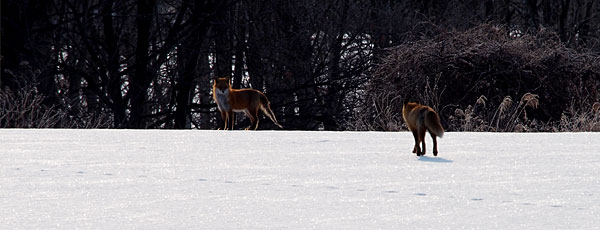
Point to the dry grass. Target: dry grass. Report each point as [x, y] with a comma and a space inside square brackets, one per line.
[386, 117]
[581, 120]
[25, 109]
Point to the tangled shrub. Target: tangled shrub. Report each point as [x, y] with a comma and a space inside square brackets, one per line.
[490, 66]
[25, 109]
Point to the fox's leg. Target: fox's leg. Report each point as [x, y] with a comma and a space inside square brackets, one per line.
[232, 118]
[251, 113]
[224, 117]
[422, 139]
[249, 116]
[254, 114]
[256, 122]
[416, 147]
[435, 151]
[228, 121]
[267, 110]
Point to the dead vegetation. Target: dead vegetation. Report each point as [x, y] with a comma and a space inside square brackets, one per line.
[490, 78]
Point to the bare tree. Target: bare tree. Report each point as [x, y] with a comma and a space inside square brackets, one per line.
[148, 63]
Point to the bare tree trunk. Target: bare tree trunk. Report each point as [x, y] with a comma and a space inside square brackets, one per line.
[188, 61]
[562, 20]
[223, 45]
[203, 93]
[508, 14]
[240, 45]
[334, 88]
[141, 79]
[532, 10]
[253, 60]
[117, 103]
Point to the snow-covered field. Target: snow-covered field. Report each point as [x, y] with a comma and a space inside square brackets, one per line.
[159, 179]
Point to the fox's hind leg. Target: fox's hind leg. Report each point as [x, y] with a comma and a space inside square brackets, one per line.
[269, 113]
[416, 147]
[422, 139]
[435, 151]
[253, 114]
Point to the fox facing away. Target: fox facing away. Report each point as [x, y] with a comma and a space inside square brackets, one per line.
[248, 101]
[419, 119]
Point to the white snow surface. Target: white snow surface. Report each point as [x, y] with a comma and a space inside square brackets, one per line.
[161, 179]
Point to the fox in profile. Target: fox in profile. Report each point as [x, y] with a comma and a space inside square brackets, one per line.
[248, 101]
[419, 119]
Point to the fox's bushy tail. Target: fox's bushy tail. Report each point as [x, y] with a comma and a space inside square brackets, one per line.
[433, 124]
[266, 108]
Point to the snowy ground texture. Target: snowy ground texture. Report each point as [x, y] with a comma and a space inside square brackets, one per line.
[158, 179]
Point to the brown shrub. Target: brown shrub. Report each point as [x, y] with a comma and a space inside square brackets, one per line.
[490, 66]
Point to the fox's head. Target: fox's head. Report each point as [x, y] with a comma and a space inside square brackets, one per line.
[222, 85]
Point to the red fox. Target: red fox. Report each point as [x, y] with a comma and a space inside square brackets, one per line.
[419, 119]
[248, 101]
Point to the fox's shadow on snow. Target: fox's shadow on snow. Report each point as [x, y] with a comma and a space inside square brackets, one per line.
[434, 159]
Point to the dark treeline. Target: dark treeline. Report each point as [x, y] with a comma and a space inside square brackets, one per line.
[149, 63]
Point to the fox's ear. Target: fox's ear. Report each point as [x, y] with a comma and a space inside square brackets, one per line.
[406, 100]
